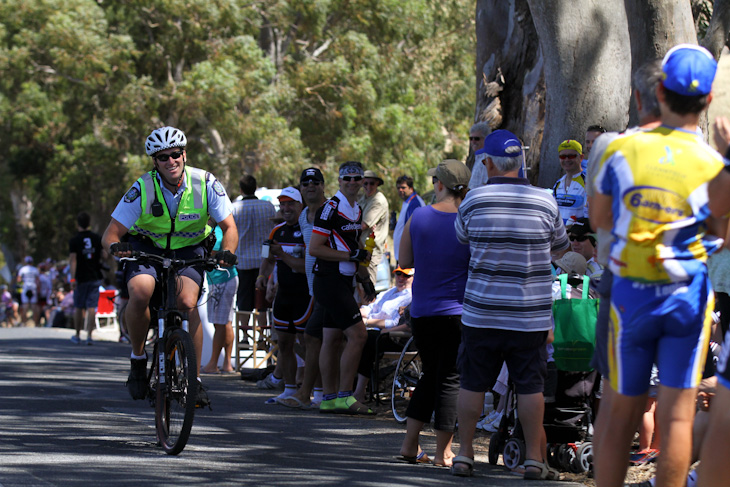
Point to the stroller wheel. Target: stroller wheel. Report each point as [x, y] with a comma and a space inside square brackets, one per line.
[552, 453]
[514, 453]
[566, 454]
[495, 445]
[583, 458]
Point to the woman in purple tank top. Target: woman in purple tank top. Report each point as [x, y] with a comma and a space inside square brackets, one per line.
[429, 244]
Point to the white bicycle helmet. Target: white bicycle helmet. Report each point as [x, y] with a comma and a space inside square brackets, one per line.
[164, 138]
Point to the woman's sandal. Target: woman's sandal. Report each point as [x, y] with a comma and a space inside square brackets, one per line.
[462, 466]
[545, 473]
[420, 458]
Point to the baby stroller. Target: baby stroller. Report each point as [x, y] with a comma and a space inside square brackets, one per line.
[569, 416]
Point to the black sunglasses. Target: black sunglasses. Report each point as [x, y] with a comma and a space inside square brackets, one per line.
[475, 138]
[351, 178]
[313, 182]
[581, 238]
[370, 183]
[399, 273]
[164, 157]
[434, 179]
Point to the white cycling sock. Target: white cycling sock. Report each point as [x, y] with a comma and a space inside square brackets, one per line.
[317, 394]
[138, 357]
[289, 390]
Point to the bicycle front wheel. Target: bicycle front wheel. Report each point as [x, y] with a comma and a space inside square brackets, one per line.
[175, 405]
[405, 378]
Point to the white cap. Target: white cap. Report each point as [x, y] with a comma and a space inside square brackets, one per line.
[291, 193]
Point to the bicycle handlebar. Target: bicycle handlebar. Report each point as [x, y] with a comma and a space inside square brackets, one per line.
[209, 263]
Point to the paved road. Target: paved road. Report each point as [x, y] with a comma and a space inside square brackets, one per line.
[66, 420]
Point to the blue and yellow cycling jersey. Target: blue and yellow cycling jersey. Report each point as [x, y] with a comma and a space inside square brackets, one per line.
[658, 181]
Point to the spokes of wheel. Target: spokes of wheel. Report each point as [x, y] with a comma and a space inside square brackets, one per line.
[405, 379]
[175, 405]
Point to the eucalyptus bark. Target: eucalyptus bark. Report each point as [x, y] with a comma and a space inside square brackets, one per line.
[655, 26]
[587, 71]
[716, 36]
[510, 83]
[547, 69]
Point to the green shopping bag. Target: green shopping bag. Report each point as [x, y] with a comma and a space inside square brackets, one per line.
[575, 328]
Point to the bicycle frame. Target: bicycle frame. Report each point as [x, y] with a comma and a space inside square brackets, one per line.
[175, 350]
[168, 308]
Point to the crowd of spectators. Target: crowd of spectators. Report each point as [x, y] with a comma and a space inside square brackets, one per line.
[499, 293]
[639, 213]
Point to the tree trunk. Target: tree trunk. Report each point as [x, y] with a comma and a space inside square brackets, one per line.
[654, 27]
[587, 55]
[717, 32]
[510, 83]
[23, 212]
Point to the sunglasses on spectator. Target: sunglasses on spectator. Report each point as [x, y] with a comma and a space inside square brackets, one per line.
[370, 183]
[434, 179]
[312, 182]
[581, 238]
[399, 273]
[164, 157]
[351, 178]
[568, 156]
[475, 138]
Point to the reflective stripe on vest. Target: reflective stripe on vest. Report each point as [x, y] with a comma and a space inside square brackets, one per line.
[190, 224]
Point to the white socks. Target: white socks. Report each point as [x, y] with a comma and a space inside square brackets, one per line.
[317, 395]
[289, 390]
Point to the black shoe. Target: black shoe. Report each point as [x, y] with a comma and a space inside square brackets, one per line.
[137, 382]
[202, 399]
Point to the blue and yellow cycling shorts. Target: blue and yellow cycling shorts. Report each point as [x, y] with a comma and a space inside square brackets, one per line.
[664, 323]
[723, 363]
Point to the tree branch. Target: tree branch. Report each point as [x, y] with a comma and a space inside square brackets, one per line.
[717, 32]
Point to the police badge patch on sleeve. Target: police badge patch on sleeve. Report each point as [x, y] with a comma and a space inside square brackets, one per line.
[218, 188]
[131, 195]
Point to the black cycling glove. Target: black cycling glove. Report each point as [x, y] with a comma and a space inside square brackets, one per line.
[358, 255]
[227, 257]
[369, 288]
[119, 247]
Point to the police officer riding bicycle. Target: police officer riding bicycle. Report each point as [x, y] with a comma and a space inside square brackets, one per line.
[167, 209]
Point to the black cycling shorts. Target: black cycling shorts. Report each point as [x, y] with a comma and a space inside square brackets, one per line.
[335, 293]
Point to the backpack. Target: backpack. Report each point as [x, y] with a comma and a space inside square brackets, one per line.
[575, 328]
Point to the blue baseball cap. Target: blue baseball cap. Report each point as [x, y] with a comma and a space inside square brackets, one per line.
[499, 143]
[688, 70]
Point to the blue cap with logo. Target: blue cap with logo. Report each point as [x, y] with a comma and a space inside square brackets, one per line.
[688, 70]
[502, 143]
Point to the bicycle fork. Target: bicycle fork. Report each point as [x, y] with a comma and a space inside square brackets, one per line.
[163, 349]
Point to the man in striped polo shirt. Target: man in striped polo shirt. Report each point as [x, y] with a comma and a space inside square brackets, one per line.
[512, 229]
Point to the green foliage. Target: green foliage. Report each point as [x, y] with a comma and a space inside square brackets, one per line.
[266, 87]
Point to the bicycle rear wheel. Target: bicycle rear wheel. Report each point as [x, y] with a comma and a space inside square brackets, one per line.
[405, 378]
[175, 405]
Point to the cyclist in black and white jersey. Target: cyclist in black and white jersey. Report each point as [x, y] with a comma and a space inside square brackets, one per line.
[335, 244]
